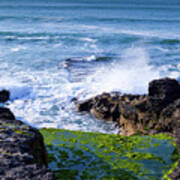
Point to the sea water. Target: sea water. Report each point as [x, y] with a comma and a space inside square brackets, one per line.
[54, 50]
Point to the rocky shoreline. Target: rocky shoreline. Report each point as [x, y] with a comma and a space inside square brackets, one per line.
[157, 112]
[23, 154]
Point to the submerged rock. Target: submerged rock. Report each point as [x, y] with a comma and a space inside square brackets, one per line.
[4, 96]
[83, 155]
[22, 151]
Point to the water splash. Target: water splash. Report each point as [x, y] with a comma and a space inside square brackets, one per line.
[130, 75]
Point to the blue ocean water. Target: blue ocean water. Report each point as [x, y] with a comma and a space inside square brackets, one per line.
[54, 50]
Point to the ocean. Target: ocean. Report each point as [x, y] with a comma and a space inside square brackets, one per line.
[54, 50]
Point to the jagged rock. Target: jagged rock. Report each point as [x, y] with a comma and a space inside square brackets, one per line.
[165, 89]
[22, 151]
[4, 96]
[157, 112]
[163, 92]
[146, 114]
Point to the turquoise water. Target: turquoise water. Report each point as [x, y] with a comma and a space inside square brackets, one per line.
[54, 50]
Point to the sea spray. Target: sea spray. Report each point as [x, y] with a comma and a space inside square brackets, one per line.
[129, 75]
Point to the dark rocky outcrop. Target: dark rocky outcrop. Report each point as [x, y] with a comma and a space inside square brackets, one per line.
[22, 150]
[157, 112]
[146, 114]
[4, 96]
[163, 92]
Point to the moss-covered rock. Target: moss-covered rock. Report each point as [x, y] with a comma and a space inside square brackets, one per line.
[22, 151]
[80, 155]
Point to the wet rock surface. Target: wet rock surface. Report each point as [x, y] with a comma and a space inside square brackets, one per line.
[157, 112]
[22, 151]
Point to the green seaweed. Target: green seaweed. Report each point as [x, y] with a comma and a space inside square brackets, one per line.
[22, 132]
[80, 155]
[18, 129]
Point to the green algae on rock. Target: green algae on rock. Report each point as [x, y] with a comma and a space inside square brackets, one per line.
[22, 151]
[80, 155]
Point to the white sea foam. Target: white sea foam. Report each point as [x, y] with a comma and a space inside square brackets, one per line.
[18, 91]
[130, 75]
[174, 74]
[51, 105]
[34, 38]
[53, 91]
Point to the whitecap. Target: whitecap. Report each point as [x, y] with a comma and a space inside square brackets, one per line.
[18, 48]
[34, 38]
[88, 39]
